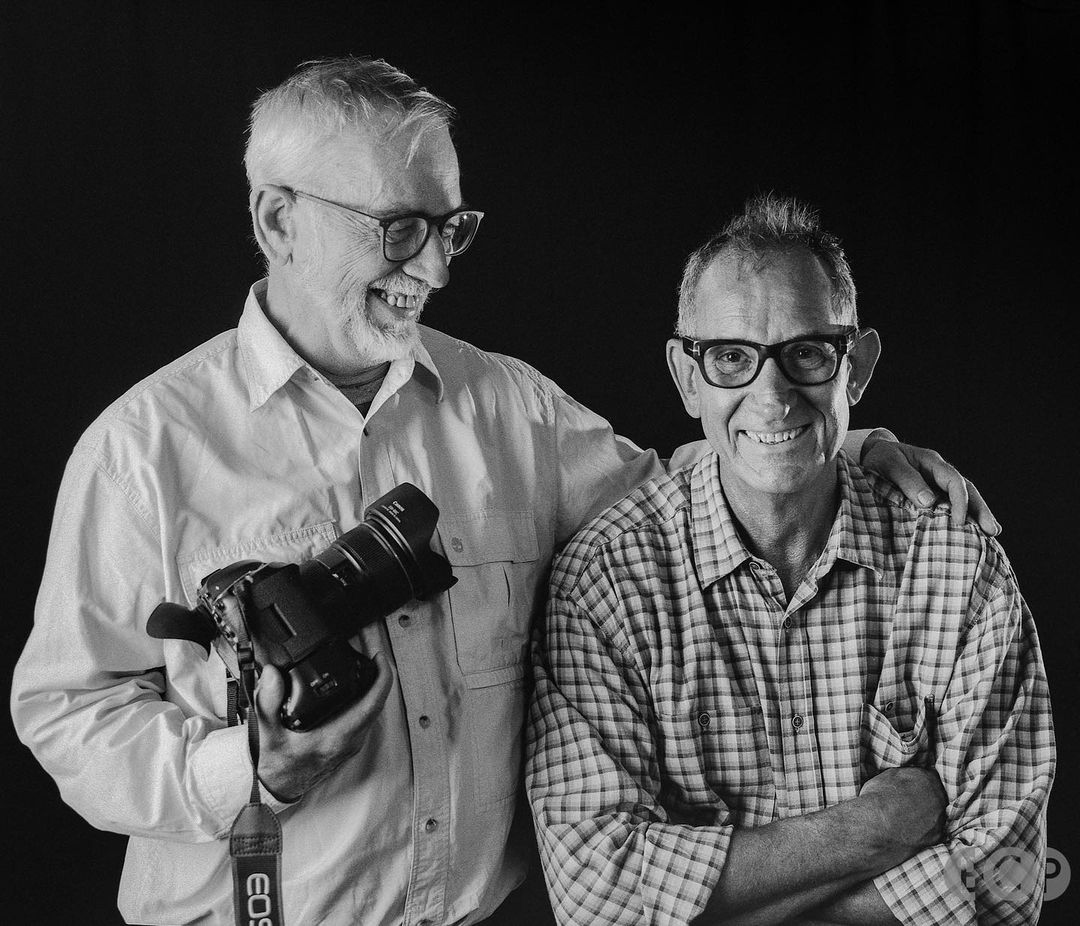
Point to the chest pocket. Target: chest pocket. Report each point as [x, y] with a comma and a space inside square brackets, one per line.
[716, 751]
[494, 557]
[898, 733]
[289, 546]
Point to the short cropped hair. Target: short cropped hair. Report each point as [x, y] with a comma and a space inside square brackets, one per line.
[768, 224]
[325, 98]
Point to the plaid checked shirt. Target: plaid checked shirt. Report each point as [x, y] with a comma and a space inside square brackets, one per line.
[678, 698]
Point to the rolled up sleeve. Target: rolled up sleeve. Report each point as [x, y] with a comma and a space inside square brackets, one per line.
[610, 852]
[996, 759]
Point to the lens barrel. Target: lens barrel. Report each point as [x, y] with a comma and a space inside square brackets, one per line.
[381, 563]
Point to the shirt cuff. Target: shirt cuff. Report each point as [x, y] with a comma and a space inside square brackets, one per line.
[924, 889]
[221, 767]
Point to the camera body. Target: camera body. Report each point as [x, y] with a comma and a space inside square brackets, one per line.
[300, 617]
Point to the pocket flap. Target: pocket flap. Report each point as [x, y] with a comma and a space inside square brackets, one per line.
[290, 546]
[488, 536]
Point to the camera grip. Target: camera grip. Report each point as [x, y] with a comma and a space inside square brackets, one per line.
[325, 683]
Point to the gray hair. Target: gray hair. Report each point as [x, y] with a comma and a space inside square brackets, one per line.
[769, 223]
[325, 98]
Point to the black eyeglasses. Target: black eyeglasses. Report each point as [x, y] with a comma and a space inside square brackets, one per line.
[404, 236]
[810, 360]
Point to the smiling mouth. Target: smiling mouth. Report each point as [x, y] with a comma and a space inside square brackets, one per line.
[409, 302]
[775, 437]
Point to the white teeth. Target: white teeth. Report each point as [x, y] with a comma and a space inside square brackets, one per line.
[399, 300]
[773, 437]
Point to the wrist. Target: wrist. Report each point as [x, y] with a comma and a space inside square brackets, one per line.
[873, 438]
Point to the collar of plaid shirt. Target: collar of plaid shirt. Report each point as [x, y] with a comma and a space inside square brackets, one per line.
[856, 534]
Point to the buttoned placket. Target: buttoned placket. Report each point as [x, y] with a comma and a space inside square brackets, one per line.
[796, 761]
[426, 894]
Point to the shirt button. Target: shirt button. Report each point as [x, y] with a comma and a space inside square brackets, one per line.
[404, 620]
[797, 721]
[431, 825]
[703, 720]
[787, 623]
[755, 565]
[424, 721]
[457, 545]
[888, 707]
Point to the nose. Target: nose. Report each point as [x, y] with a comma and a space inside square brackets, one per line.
[431, 265]
[772, 390]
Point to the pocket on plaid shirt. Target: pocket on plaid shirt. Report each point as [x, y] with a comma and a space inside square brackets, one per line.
[887, 741]
[715, 760]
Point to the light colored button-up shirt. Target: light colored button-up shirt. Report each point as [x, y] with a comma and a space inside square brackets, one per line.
[680, 695]
[240, 450]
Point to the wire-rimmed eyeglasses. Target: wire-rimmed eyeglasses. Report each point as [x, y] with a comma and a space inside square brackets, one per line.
[809, 360]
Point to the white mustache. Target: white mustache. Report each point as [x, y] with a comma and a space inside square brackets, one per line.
[401, 285]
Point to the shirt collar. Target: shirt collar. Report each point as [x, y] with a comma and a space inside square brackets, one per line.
[268, 362]
[718, 549]
[856, 535]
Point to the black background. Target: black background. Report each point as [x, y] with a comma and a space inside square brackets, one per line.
[937, 139]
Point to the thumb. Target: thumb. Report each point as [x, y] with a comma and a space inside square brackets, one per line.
[270, 692]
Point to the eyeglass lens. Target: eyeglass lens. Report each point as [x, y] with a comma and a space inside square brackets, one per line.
[405, 237]
[804, 362]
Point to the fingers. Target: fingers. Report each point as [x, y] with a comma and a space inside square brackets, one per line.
[269, 694]
[949, 478]
[981, 512]
[901, 464]
[359, 715]
[964, 499]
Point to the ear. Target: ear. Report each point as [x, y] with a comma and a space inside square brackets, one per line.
[271, 217]
[863, 358]
[687, 378]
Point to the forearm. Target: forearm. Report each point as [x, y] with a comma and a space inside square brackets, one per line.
[860, 906]
[775, 872]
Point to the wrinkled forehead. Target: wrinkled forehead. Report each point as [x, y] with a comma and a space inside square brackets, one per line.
[766, 294]
[390, 167]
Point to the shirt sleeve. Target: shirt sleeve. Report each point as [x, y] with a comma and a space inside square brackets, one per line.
[611, 854]
[996, 758]
[596, 466]
[89, 695]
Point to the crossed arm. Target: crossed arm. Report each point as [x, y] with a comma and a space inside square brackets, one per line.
[614, 852]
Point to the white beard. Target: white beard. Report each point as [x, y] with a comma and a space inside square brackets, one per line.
[374, 340]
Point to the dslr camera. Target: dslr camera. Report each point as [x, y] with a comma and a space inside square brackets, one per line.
[300, 618]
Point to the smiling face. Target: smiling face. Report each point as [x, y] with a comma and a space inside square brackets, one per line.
[336, 298]
[774, 438]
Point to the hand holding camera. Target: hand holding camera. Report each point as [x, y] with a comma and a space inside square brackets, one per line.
[295, 622]
[291, 763]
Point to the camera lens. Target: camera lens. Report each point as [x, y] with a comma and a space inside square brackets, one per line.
[381, 563]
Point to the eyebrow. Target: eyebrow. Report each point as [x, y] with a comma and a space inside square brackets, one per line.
[397, 207]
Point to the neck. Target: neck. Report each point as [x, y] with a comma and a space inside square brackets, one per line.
[787, 531]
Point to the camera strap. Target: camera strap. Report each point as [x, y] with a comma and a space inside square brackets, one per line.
[255, 837]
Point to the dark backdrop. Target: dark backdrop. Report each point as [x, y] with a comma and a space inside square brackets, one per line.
[935, 138]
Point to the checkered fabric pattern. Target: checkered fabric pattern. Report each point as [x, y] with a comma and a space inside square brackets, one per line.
[679, 697]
